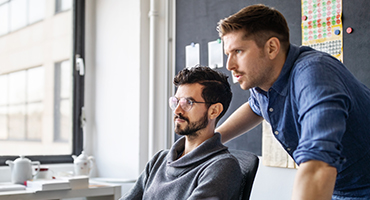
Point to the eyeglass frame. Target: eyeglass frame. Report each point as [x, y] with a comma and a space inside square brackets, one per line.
[187, 102]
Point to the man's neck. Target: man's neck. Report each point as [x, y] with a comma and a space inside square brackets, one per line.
[192, 142]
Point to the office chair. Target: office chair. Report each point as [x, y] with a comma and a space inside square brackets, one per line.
[248, 164]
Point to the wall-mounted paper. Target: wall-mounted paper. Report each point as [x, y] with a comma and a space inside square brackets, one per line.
[192, 55]
[273, 153]
[322, 27]
[215, 54]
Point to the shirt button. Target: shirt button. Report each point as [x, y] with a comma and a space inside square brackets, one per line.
[288, 149]
[271, 109]
[276, 132]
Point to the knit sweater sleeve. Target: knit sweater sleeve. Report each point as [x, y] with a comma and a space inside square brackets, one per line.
[221, 179]
[137, 191]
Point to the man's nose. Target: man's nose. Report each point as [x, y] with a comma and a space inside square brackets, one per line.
[230, 64]
[178, 109]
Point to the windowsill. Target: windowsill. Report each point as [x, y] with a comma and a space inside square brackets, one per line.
[5, 172]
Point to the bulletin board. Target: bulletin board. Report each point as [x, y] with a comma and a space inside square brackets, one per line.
[356, 44]
[196, 22]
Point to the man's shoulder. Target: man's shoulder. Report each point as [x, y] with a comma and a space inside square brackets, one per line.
[309, 57]
[224, 157]
[224, 164]
[161, 154]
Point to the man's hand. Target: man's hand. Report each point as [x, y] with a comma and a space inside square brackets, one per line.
[241, 121]
[314, 180]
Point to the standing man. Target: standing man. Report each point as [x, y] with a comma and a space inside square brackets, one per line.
[197, 166]
[317, 109]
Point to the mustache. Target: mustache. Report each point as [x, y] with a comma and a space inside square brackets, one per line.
[237, 72]
[180, 116]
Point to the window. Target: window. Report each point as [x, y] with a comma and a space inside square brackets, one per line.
[62, 5]
[41, 93]
[62, 101]
[16, 14]
[21, 105]
[4, 18]
[36, 9]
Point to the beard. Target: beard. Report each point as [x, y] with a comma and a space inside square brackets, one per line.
[192, 128]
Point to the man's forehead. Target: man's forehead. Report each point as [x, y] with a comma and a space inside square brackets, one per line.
[193, 91]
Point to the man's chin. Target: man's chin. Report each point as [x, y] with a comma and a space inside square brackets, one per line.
[244, 86]
[183, 132]
[179, 130]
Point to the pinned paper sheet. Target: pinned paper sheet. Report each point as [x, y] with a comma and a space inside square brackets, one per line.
[273, 154]
[322, 26]
[215, 54]
[192, 55]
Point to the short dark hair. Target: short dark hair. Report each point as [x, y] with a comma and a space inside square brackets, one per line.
[259, 22]
[216, 87]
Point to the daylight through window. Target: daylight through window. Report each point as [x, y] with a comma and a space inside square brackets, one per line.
[36, 77]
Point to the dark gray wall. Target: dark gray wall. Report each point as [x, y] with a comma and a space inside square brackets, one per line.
[196, 21]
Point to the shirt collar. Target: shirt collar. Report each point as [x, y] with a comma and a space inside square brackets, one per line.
[281, 84]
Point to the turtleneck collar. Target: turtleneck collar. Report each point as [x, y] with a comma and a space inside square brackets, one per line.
[209, 147]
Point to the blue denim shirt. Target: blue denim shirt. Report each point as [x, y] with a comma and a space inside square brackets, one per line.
[319, 111]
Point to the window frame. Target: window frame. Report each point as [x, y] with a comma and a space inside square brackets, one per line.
[78, 92]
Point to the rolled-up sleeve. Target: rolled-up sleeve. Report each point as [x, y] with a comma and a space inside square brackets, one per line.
[323, 110]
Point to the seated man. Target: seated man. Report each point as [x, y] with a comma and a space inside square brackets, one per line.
[197, 166]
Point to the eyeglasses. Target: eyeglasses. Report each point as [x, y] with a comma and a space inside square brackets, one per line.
[185, 103]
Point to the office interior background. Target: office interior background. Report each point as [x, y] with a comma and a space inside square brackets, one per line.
[129, 58]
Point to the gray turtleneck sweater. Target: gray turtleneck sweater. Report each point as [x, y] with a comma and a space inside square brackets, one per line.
[207, 172]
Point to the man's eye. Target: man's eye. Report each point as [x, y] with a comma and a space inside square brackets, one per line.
[238, 51]
[190, 102]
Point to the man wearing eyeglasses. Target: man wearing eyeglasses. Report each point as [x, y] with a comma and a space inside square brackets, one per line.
[197, 166]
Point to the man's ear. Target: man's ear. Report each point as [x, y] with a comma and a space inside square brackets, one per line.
[272, 47]
[215, 110]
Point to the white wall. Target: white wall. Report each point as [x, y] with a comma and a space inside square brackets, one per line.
[113, 80]
[114, 127]
[118, 102]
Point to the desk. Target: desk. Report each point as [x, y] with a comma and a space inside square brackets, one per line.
[94, 192]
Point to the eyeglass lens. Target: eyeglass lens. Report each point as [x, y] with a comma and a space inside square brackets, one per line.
[184, 103]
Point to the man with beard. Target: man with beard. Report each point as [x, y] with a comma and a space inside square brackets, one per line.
[197, 166]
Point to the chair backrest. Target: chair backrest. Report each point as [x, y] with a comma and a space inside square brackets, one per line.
[248, 164]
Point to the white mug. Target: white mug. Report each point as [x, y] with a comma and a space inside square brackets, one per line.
[44, 173]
